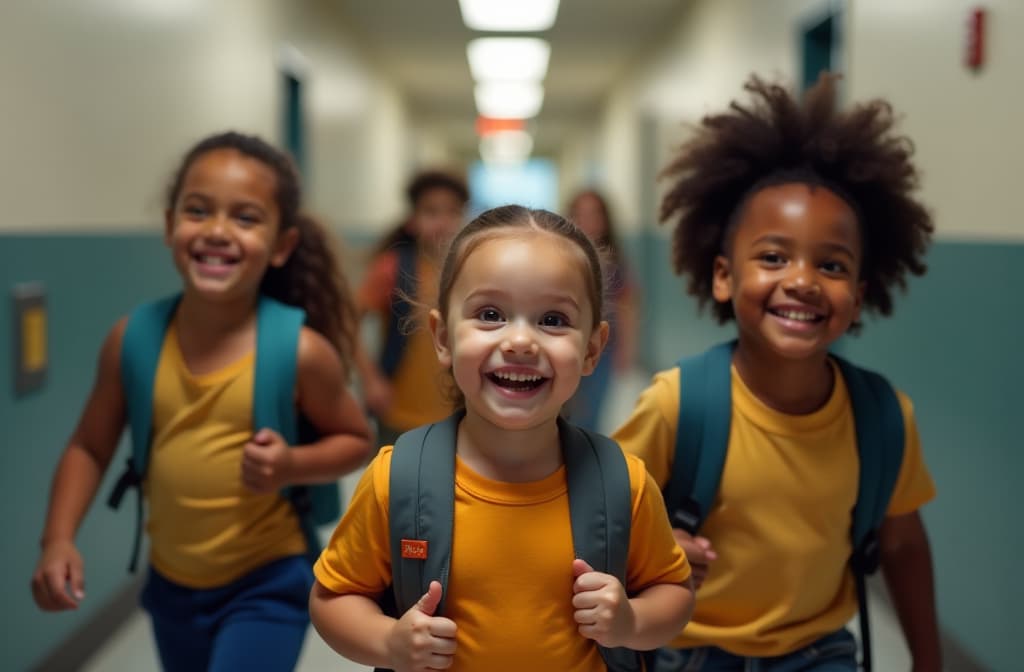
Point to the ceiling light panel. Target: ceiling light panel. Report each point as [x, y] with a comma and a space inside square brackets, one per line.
[509, 100]
[509, 15]
[508, 58]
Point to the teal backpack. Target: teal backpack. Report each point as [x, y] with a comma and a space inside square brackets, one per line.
[705, 410]
[273, 404]
[422, 508]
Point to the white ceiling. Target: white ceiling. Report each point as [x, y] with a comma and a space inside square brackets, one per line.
[420, 45]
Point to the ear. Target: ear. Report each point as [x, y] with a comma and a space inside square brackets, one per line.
[439, 334]
[721, 280]
[168, 226]
[285, 244]
[595, 346]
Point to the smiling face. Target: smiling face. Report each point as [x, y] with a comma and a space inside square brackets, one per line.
[224, 228]
[520, 328]
[792, 270]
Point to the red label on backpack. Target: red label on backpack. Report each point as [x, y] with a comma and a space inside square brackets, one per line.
[414, 549]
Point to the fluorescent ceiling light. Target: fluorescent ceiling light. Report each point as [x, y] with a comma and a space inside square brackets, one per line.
[505, 15]
[506, 147]
[509, 100]
[508, 58]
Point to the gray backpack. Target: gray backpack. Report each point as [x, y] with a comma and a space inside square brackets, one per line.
[422, 509]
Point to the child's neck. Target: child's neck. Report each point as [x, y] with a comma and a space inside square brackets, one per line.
[791, 386]
[212, 335]
[511, 456]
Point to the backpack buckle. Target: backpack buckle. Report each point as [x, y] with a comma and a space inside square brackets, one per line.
[687, 516]
[867, 555]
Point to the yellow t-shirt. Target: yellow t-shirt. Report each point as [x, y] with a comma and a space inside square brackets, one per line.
[206, 528]
[418, 396]
[780, 523]
[510, 585]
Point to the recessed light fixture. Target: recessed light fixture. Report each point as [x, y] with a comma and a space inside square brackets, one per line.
[509, 100]
[508, 58]
[509, 15]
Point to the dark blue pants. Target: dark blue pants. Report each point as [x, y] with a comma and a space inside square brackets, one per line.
[833, 653]
[257, 622]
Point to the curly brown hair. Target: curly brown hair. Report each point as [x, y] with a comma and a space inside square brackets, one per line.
[777, 139]
[311, 278]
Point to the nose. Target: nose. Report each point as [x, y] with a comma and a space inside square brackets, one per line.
[802, 280]
[215, 227]
[519, 340]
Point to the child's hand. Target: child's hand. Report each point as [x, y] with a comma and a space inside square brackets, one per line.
[59, 568]
[420, 640]
[698, 552]
[602, 608]
[266, 462]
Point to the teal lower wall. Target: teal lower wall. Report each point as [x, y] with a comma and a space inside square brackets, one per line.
[954, 346]
[91, 281]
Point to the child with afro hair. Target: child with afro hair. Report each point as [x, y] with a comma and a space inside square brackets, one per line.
[792, 217]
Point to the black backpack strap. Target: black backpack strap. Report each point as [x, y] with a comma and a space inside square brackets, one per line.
[405, 288]
[878, 419]
[702, 436]
[601, 517]
[422, 511]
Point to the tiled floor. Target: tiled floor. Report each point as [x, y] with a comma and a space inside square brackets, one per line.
[132, 649]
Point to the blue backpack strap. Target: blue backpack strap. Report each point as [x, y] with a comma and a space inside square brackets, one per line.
[405, 287]
[421, 511]
[702, 435]
[278, 326]
[601, 518]
[878, 419]
[141, 344]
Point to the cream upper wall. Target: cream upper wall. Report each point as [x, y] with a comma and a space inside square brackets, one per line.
[965, 125]
[910, 51]
[102, 97]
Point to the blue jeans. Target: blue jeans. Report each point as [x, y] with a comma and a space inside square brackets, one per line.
[832, 653]
[257, 622]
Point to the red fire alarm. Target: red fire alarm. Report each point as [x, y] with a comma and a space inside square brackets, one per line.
[975, 56]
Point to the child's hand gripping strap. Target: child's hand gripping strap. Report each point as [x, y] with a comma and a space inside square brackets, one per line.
[278, 327]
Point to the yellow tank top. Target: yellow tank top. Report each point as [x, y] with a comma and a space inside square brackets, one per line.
[206, 529]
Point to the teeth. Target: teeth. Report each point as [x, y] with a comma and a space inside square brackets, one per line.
[213, 261]
[518, 377]
[797, 315]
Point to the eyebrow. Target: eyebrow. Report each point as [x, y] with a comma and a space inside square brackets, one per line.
[783, 241]
[488, 292]
[207, 197]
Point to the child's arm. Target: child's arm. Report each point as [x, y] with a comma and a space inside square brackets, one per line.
[268, 463]
[907, 566]
[354, 626]
[78, 475]
[648, 620]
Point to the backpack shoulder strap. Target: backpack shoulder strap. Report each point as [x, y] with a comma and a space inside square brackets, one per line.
[878, 419]
[878, 422]
[405, 286]
[141, 345]
[277, 354]
[421, 510]
[600, 517]
[702, 435]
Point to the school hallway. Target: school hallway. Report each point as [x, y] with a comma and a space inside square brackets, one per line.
[131, 648]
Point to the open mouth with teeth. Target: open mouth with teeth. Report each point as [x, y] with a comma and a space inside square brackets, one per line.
[797, 315]
[517, 382]
[214, 259]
